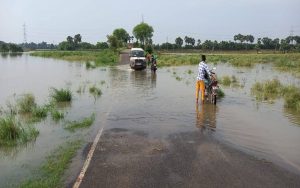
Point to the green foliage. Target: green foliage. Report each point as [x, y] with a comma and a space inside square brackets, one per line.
[220, 93]
[61, 95]
[52, 171]
[13, 132]
[56, 115]
[90, 65]
[113, 41]
[269, 90]
[179, 42]
[143, 32]
[103, 57]
[95, 91]
[102, 45]
[86, 122]
[26, 103]
[272, 89]
[226, 81]
[121, 35]
[292, 99]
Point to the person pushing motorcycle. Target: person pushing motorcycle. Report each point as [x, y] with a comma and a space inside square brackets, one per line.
[203, 74]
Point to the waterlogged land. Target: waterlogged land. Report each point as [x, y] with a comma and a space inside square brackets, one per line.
[284, 62]
[97, 58]
[152, 128]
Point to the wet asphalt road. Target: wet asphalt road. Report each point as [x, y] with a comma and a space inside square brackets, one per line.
[128, 158]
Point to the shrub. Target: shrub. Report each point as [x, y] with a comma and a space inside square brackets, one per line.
[26, 103]
[61, 95]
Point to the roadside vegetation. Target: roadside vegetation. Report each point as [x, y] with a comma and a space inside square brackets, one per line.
[229, 81]
[13, 132]
[85, 122]
[103, 57]
[273, 89]
[51, 172]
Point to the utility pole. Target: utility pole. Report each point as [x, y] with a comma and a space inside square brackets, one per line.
[24, 33]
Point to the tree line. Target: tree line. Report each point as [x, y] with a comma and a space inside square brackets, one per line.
[241, 42]
[142, 37]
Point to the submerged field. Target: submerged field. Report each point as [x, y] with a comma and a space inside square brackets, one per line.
[103, 57]
[68, 103]
[284, 62]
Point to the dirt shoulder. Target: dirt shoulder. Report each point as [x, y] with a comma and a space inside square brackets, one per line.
[126, 158]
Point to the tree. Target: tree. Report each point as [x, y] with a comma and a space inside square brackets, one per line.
[70, 39]
[77, 39]
[189, 41]
[114, 43]
[179, 42]
[143, 32]
[102, 45]
[121, 34]
[258, 45]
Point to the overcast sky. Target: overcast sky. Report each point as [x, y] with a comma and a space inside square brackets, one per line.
[54, 20]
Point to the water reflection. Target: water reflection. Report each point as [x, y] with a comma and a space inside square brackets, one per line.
[143, 79]
[206, 117]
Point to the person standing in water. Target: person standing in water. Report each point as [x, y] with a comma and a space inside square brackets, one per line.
[203, 74]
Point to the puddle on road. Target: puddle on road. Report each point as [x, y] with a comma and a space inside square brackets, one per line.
[158, 104]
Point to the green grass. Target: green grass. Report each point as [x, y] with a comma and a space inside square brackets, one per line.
[220, 93]
[57, 115]
[86, 122]
[96, 92]
[12, 132]
[90, 65]
[229, 81]
[26, 103]
[285, 62]
[273, 89]
[61, 95]
[103, 57]
[52, 171]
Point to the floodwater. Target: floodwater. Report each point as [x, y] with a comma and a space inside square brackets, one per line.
[158, 104]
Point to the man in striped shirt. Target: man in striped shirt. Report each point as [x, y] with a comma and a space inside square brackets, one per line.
[200, 84]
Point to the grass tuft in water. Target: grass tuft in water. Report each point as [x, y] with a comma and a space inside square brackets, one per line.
[96, 92]
[61, 95]
[13, 132]
[90, 65]
[57, 115]
[220, 93]
[178, 78]
[51, 173]
[86, 122]
[267, 91]
[26, 103]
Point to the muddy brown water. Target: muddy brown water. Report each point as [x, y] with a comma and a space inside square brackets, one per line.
[157, 104]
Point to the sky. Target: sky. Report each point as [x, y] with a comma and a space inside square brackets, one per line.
[53, 20]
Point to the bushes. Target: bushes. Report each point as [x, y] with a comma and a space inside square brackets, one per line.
[61, 95]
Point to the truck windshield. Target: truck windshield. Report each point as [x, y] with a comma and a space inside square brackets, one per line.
[137, 53]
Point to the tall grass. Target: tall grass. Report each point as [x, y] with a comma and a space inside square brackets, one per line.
[26, 103]
[273, 89]
[61, 95]
[13, 132]
[51, 172]
[86, 122]
[284, 62]
[103, 57]
[96, 92]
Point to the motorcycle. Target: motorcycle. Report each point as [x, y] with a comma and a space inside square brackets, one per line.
[212, 87]
[153, 65]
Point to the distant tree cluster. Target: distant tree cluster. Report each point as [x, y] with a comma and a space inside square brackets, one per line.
[75, 43]
[241, 42]
[34, 46]
[10, 47]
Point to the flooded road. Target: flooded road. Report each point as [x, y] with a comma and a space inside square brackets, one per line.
[159, 107]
